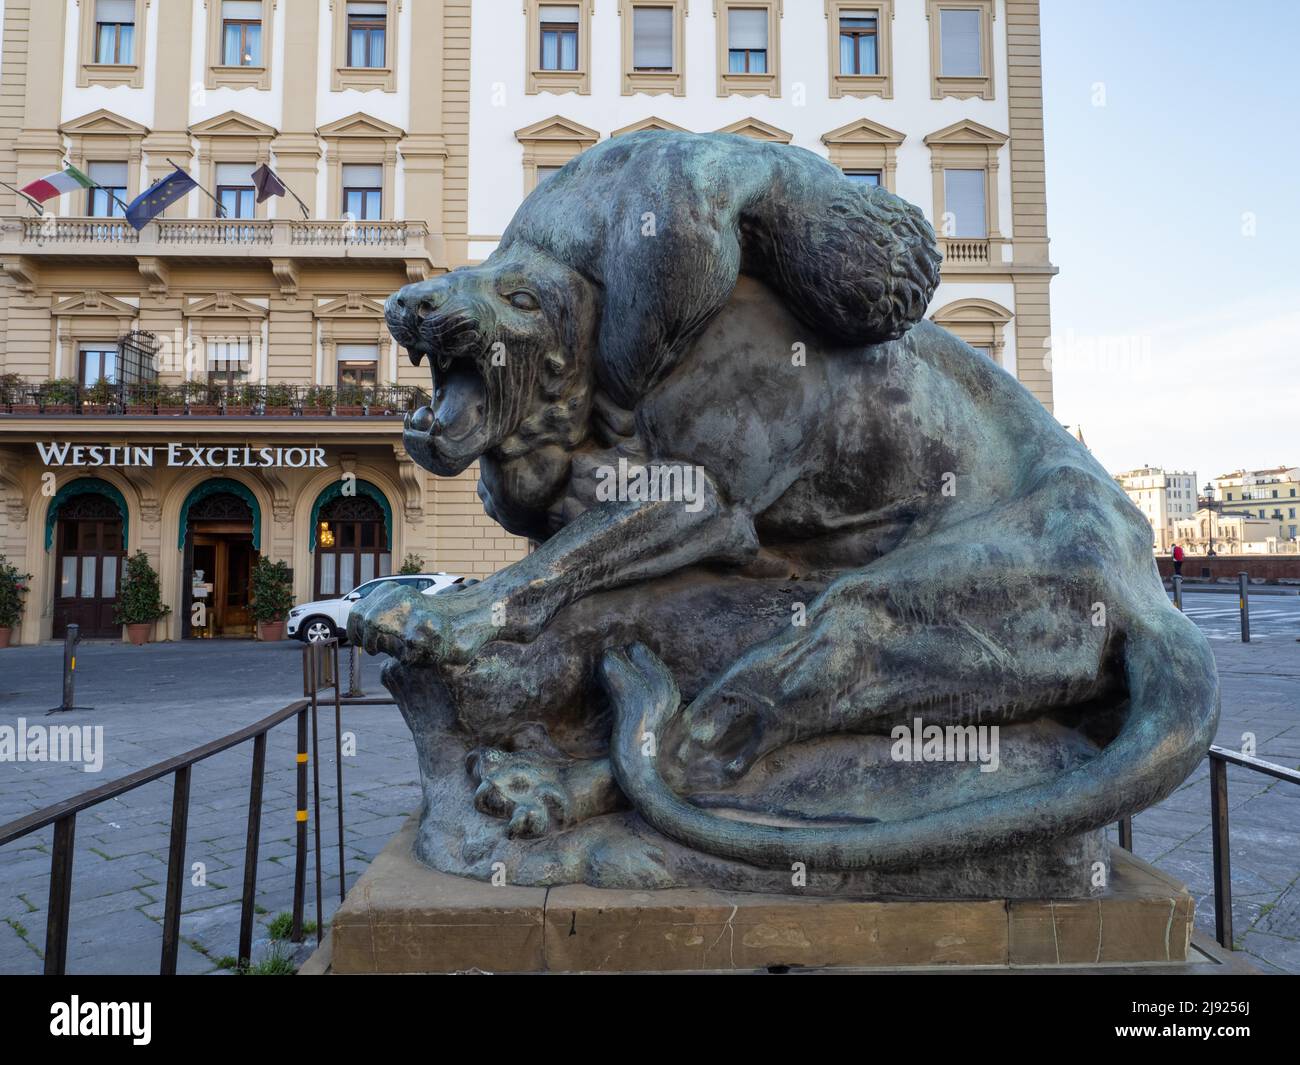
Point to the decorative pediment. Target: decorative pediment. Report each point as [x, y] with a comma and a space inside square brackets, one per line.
[223, 305]
[864, 131]
[233, 124]
[361, 125]
[557, 128]
[758, 130]
[972, 311]
[653, 122]
[353, 305]
[93, 302]
[103, 123]
[967, 132]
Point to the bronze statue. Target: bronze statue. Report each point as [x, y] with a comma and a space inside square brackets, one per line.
[780, 517]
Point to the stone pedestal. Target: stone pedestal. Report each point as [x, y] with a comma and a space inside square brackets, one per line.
[402, 917]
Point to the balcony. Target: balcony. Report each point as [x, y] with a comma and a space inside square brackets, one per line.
[196, 399]
[218, 239]
[968, 251]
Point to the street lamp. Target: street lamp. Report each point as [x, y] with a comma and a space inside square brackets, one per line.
[1209, 505]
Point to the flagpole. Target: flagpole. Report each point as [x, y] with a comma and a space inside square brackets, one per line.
[220, 207]
[301, 206]
[35, 206]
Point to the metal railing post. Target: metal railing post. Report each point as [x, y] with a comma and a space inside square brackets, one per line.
[1222, 851]
[338, 765]
[300, 855]
[250, 850]
[56, 919]
[1243, 592]
[175, 871]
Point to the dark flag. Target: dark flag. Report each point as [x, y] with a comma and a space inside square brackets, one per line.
[158, 197]
[267, 184]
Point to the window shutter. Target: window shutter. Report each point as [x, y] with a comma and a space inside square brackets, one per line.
[963, 196]
[559, 13]
[110, 175]
[362, 176]
[358, 352]
[235, 174]
[747, 28]
[374, 10]
[960, 51]
[241, 9]
[652, 37]
[115, 11]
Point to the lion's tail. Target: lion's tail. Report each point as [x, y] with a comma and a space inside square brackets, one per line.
[1174, 709]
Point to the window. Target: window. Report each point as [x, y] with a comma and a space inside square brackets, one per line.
[363, 191]
[111, 42]
[241, 33]
[860, 39]
[228, 360]
[545, 173]
[859, 43]
[863, 177]
[652, 39]
[367, 34]
[108, 198]
[652, 47]
[959, 43]
[746, 41]
[559, 34]
[558, 51]
[982, 324]
[351, 545]
[98, 362]
[115, 31]
[749, 39]
[239, 43]
[548, 145]
[961, 48]
[357, 369]
[963, 197]
[235, 191]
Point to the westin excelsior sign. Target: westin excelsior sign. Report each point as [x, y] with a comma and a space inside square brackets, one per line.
[67, 454]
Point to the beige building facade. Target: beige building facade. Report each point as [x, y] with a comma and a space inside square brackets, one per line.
[1164, 497]
[211, 389]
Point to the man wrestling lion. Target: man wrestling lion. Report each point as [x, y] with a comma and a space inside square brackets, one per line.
[883, 530]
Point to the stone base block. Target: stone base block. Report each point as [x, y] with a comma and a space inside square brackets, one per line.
[402, 917]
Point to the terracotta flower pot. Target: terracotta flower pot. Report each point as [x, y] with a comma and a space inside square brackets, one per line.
[138, 633]
[349, 412]
[5, 630]
[204, 410]
[270, 630]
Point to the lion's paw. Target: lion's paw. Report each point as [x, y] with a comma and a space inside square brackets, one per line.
[523, 789]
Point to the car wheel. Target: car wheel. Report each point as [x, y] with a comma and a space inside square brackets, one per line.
[317, 630]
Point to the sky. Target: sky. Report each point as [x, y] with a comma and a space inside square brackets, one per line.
[1173, 208]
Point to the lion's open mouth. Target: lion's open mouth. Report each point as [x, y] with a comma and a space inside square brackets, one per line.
[454, 429]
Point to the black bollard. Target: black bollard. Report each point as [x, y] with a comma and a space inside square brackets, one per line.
[1242, 579]
[70, 640]
[1178, 591]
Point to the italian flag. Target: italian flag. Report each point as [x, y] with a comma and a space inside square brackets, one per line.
[51, 185]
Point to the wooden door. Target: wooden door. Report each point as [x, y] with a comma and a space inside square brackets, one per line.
[88, 566]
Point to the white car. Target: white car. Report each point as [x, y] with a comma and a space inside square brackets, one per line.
[313, 622]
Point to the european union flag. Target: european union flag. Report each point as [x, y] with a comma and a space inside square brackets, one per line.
[158, 197]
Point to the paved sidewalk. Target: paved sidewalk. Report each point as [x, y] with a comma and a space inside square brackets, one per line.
[165, 699]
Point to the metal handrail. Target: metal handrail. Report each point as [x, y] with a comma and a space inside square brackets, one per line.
[1220, 759]
[320, 672]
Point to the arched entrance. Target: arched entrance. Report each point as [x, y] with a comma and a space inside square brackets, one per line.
[351, 541]
[219, 523]
[89, 532]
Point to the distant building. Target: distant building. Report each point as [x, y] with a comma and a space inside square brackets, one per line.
[1231, 532]
[1272, 493]
[1163, 496]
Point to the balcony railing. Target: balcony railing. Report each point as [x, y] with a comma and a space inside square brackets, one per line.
[166, 236]
[198, 399]
[965, 252]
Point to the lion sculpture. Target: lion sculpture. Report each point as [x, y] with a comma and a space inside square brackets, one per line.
[781, 521]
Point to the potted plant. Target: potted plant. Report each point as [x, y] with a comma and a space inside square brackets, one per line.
[350, 401]
[142, 399]
[138, 602]
[59, 396]
[13, 586]
[98, 398]
[171, 399]
[279, 401]
[242, 400]
[15, 395]
[411, 565]
[201, 399]
[319, 402]
[272, 597]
